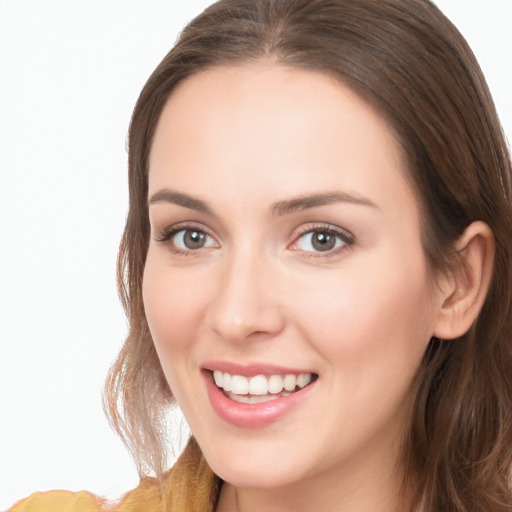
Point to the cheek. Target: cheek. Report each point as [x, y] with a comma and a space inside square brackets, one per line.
[173, 304]
[371, 330]
[369, 314]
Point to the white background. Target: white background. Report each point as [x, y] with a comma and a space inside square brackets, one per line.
[70, 73]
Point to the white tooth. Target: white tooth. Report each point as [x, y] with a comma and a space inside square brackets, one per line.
[258, 385]
[262, 398]
[303, 379]
[226, 382]
[244, 399]
[252, 399]
[217, 377]
[275, 384]
[289, 383]
[239, 385]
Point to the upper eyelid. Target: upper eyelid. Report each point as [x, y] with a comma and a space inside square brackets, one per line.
[319, 226]
[170, 230]
[183, 225]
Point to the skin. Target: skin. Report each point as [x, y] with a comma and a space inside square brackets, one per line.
[360, 316]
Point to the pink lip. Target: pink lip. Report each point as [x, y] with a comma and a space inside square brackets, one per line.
[250, 370]
[252, 415]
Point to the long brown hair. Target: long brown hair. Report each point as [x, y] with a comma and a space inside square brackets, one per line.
[407, 60]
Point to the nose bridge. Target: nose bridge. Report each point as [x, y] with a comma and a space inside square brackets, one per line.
[245, 303]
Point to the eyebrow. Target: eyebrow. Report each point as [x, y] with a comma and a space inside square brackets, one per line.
[168, 196]
[280, 208]
[313, 200]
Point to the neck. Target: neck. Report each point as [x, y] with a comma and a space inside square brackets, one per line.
[351, 491]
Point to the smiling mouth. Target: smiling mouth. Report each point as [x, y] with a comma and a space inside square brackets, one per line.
[260, 388]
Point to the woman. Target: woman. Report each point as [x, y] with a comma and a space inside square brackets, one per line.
[316, 265]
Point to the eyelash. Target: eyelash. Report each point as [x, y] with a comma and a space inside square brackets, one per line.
[167, 234]
[344, 236]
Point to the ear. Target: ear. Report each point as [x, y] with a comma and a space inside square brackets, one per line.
[465, 287]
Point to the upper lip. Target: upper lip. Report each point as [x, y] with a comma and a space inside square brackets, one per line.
[252, 369]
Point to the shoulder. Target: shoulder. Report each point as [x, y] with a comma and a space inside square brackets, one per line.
[145, 497]
[141, 499]
[59, 501]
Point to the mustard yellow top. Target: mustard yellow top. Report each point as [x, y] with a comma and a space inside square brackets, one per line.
[58, 501]
[146, 497]
[190, 486]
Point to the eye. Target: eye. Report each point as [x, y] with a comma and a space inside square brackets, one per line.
[192, 239]
[323, 240]
[184, 240]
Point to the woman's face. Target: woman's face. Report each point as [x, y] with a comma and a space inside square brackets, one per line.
[285, 251]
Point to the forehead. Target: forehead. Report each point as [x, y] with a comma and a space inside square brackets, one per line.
[275, 130]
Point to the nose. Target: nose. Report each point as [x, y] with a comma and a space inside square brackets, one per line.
[246, 305]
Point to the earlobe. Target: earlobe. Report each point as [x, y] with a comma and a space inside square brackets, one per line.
[468, 282]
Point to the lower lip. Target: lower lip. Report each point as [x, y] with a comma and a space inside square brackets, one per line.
[252, 415]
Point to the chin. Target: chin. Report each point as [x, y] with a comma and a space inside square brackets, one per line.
[256, 478]
[254, 472]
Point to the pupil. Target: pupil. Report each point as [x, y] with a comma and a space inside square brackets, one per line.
[323, 241]
[194, 239]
